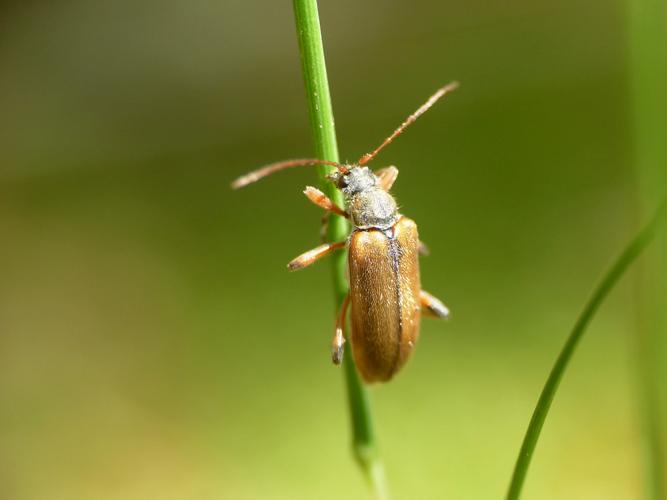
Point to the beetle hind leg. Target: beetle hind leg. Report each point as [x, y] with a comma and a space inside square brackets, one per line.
[432, 306]
[339, 337]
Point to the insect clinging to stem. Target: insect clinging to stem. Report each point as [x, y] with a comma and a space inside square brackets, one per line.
[385, 298]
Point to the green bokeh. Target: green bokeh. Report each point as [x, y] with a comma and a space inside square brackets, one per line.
[152, 343]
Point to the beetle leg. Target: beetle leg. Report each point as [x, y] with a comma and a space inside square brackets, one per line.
[387, 176]
[307, 258]
[339, 338]
[324, 227]
[322, 200]
[432, 306]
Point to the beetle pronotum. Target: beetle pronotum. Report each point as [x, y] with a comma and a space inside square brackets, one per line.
[385, 297]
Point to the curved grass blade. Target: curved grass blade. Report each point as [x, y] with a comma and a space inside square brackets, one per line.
[617, 270]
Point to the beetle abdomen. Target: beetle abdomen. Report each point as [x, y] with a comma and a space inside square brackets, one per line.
[384, 292]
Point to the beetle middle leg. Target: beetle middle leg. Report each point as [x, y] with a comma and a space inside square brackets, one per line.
[309, 257]
[432, 306]
[324, 227]
[339, 337]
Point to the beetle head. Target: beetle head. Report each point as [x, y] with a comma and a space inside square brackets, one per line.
[355, 180]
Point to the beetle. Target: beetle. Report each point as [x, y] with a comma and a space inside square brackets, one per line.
[385, 297]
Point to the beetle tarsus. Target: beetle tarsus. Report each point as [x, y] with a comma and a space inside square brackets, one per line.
[423, 249]
[339, 337]
[432, 306]
[337, 350]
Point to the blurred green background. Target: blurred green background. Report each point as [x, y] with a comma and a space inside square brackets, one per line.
[152, 343]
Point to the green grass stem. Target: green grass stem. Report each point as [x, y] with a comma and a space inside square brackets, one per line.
[610, 279]
[647, 50]
[364, 443]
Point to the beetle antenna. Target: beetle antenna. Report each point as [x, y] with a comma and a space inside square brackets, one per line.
[409, 121]
[260, 173]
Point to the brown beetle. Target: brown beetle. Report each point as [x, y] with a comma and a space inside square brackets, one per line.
[383, 262]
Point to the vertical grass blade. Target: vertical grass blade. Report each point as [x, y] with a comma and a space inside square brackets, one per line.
[619, 267]
[324, 134]
[647, 43]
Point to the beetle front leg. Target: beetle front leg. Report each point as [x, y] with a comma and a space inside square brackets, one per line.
[322, 200]
[387, 177]
[432, 306]
[309, 257]
[339, 337]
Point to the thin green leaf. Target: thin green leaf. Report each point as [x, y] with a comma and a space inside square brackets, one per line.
[324, 134]
[647, 77]
[619, 267]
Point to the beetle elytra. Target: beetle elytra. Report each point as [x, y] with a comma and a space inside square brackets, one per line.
[385, 298]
